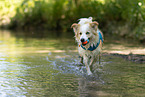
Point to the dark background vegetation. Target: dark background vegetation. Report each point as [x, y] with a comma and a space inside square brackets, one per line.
[116, 17]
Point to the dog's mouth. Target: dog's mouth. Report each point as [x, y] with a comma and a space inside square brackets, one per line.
[85, 42]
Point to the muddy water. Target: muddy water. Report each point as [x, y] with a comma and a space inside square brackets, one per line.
[47, 65]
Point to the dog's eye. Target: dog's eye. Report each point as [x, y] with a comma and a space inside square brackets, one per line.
[87, 33]
[80, 33]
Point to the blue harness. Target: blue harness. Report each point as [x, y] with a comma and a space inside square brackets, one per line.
[94, 47]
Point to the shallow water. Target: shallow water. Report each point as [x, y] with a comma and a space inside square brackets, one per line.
[47, 64]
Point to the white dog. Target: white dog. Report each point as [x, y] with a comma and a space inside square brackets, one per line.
[89, 39]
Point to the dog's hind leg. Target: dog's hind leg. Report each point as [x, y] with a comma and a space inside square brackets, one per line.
[99, 58]
[81, 60]
[91, 63]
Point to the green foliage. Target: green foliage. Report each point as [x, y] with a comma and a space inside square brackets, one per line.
[7, 10]
[124, 17]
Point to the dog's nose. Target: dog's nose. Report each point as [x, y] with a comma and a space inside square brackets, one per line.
[82, 40]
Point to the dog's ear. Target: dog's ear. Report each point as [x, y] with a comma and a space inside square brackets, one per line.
[94, 25]
[75, 27]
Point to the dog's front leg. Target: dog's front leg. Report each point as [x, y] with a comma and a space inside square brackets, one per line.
[91, 61]
[87, 65]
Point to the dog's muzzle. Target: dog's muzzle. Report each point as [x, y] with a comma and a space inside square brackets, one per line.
[84, 42]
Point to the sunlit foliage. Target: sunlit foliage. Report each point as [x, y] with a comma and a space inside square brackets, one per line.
[8, 10]
[123, 17]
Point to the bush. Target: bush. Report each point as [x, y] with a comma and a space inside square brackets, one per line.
[7, 11]
[56, 14]
[123, 17]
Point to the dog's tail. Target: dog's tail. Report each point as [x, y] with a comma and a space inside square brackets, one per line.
[85, 20]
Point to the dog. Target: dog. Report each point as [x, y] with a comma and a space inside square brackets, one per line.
[89, 39]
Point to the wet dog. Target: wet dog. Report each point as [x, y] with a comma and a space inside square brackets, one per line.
[89, 39]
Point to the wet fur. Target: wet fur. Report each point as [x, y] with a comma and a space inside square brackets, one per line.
[88, 57]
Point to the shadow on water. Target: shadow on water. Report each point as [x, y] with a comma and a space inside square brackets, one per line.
[45, 64]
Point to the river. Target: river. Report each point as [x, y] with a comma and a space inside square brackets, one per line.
[46, 64]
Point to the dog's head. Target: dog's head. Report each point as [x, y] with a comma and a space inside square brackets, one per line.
[85, 30]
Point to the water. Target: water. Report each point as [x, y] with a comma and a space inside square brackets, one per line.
[47, 65]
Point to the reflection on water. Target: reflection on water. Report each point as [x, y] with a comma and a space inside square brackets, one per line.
[47, 64]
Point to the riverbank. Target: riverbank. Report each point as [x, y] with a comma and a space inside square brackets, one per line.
[137, 58]
[126, 48]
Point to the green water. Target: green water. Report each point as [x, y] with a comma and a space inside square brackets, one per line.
[47, 65]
